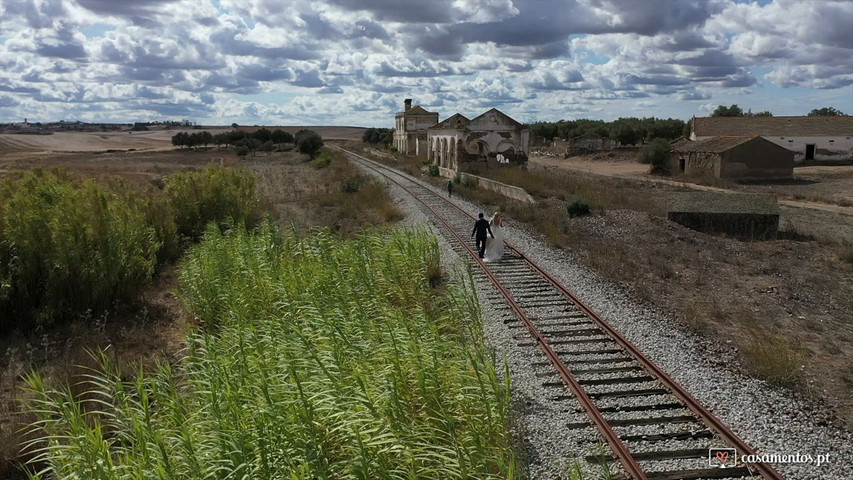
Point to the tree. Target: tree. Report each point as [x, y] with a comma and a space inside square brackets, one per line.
[378, 135]
[723, 111]
[825, 112]
[180, 139]
[299, 133]
[280, 136]
[546, 130]
[308, 141]
[627, 133]
[670, 129]
[206, 138]
[656, 154]
[263, 134]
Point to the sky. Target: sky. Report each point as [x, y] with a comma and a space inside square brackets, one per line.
[353, 62]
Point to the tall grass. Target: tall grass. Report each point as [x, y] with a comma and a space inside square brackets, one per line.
[319, 359]
[68, 245]
[214, 194]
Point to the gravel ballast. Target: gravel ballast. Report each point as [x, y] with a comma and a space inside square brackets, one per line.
[771, 420]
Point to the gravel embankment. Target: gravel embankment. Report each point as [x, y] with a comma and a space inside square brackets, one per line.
[773, 421]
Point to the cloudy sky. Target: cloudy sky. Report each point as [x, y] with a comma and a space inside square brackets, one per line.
[352, 62]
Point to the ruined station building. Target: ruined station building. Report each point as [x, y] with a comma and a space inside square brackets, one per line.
[410, 132]
[490, 140]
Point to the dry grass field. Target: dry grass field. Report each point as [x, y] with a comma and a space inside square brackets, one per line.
[294, 190]
[784, 306]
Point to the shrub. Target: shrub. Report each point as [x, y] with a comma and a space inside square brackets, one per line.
[323, 161]
[656, 154]
[68, 246]
[433, 169]
[160, 215]
[774, 358]
[845, 252]
[215, 194]
[577, 207]
[308, 141]
[351, 185]
[384, 136]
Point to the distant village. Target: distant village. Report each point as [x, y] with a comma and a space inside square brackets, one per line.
[48, 128]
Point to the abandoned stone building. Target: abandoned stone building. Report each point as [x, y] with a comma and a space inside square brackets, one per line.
[489, 140]
[735, 158]
[410, 131]
[589, 143]
[825, 138]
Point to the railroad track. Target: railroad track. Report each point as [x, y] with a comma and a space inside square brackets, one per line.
[654, 428]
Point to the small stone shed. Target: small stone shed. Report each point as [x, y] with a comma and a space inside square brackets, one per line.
[746, 216]
[589, 143]
[735, 158]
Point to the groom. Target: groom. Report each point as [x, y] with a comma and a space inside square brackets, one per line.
[481, 226]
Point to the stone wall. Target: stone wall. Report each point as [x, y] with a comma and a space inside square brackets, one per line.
[509, 191]
[743, 216]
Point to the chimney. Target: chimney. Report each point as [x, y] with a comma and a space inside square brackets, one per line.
[408, 103]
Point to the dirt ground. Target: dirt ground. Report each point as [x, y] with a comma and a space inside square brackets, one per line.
[818, 202]
[155, 139]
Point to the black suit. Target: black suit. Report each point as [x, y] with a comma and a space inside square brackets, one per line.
[481, 226]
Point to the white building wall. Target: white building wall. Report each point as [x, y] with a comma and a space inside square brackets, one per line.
[827, 148]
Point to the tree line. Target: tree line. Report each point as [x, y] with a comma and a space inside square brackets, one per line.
[628, 131]
[632, 130]
[384, 136]
[263, 139]
[735, 111]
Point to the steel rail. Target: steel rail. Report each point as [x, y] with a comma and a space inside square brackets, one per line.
[618, 447]
[711, 421]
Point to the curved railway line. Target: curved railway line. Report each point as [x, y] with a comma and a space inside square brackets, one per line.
[654, 428]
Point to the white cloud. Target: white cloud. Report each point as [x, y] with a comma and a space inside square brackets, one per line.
[357, 60]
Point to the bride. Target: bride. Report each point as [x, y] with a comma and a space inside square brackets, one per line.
[495, 244]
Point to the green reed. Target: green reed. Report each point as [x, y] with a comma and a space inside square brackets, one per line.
[214, 194]
[69, 246]
[318, 358]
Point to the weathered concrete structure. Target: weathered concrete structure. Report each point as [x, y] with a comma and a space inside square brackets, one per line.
[589, 143]
[747, 216]
[410, 131]
[736, 158]
[489, 140]
[822, 138]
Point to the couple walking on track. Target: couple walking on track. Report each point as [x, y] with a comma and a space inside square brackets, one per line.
[489, 249]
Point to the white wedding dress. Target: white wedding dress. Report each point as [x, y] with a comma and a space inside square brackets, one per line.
[494, 246]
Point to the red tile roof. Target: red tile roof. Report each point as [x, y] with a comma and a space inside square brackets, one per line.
[457, 120]
[773, 126]
[712, 145]
[416, 110]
